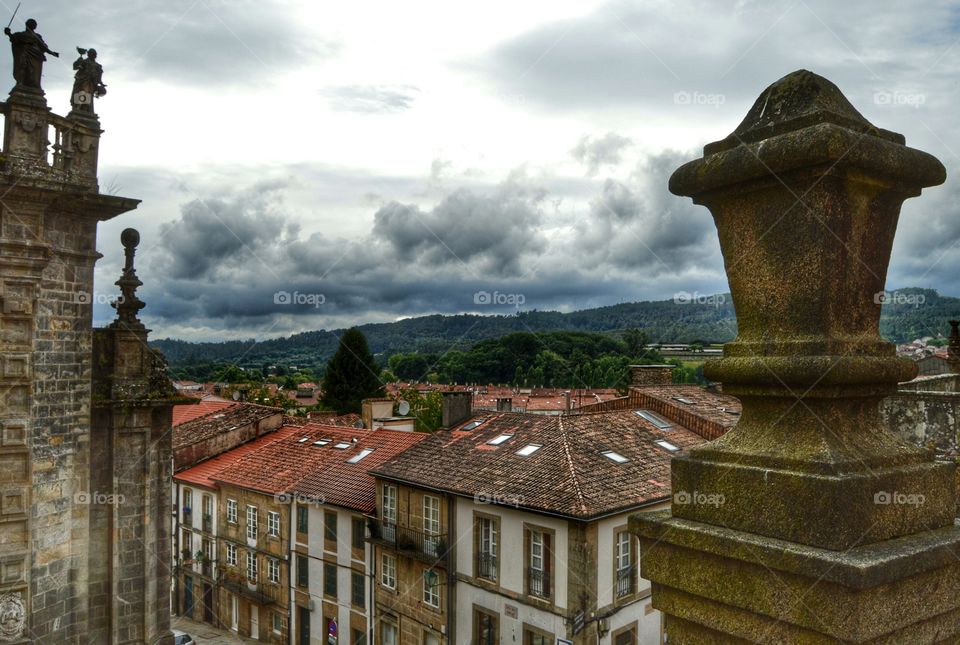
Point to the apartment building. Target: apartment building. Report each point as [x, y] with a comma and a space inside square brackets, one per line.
[332, 589]
[512, 528]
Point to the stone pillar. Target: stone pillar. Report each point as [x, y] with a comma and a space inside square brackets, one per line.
[131, 463]
[810, 522]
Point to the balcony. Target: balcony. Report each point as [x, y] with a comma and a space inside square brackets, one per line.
[487, 566]
[538, 583]
[626, 581]
[207, 523]
[432, 549]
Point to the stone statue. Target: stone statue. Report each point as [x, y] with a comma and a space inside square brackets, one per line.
[88, 81]
[28, 54]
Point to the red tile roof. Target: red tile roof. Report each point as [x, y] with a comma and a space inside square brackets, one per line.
[567, 476]
[201, 473]
[184, 413]
[349, 485]
[278, 465]
[218, 421]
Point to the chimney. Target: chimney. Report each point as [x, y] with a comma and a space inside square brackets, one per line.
[371, 409]
[457, 407]
[566, 402]
[651, 374]
[505, 404]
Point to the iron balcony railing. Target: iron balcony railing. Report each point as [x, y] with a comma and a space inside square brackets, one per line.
[487, 566]
[626, 581]
[430, 547]
[538, 582]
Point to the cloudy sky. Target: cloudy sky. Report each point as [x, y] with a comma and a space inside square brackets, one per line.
[376, 160]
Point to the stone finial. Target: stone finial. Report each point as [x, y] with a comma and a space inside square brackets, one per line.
[816, 498]
[128, 305]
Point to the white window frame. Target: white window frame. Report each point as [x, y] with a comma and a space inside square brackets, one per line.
[232, 555]
[232, 511]
[537, 555]
[389, 503]
[252, 566]
[388, 634]
[252, 522]
[388, 570]
[273, 523]
[431, 593]
[624, 552]
[273, 570]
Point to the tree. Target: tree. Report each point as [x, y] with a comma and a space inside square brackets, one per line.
[351, 374]
[636, 341]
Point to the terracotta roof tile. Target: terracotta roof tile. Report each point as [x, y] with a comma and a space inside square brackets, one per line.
[201, 473]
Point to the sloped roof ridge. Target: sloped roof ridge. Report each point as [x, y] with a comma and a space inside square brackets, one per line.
[570, 465]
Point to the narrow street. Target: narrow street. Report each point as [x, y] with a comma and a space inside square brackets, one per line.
[205, 634]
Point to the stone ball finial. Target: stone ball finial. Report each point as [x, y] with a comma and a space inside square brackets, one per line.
[130, 238]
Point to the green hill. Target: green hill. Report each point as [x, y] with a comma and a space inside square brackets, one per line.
[909, 314]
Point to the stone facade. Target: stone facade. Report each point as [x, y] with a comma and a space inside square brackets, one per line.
[82, 552]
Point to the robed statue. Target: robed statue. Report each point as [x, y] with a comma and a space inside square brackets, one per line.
[88, 81]
[29, 51]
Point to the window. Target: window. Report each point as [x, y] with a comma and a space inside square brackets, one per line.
[388, 571]
[273, 523]
[431, 588]
[207, 512]
[536, 637]
[343, 445]
[666, 445]
[273, 570]
[431, 524]
[430, 639]
[277, 622]
[251, 522]
[359, 532]
[303, 571]
[655, 419]
[389, 504]
[357, 589]
[251, 567]
[388, 634]
[232, 555]
[330, 579]
[187, 500]
[359, 456]
[358, 637]
[626, 637]
[529, 449]
[539, 558]
[496, 441]
[625, 567]
[232, 511]
[486, 630]
[330, 526]
[473, 425]
[486, 548]
[614, 456]
[302, 519]
[321, 442]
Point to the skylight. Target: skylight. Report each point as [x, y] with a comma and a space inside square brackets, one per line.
[529, 449]
[655, 419]
[360, 455]
[321, 442]
[666, 445]
[473, 425]
[304, 440]
[683, 400]
[614, 456]
[496, 441]
[343, 445]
